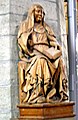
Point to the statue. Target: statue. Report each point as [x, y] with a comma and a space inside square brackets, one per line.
[41, 69]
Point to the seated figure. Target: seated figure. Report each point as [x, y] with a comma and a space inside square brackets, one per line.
[42, 77]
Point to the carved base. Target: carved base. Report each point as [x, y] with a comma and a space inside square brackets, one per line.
[46, 111]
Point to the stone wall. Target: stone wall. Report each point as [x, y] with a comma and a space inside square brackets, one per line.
[12, 12]
[5, 85]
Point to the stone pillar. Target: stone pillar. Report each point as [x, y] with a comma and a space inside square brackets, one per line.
[12, 12]
[8, 62]
[5, 82]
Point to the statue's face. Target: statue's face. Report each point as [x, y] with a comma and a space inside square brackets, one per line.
[38, 13]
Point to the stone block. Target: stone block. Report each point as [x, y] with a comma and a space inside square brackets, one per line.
[4, 24]
[60, 6]
[14, 98]
[5, 47]
[4, 73]
[15, 23]
[4, 6]
[14, 102]
[15, 113]
[9, 48]
[5, 98]
[5, 102]
[14, 87]
[14, 48]
[21, 6]
[8, 89]
[54, 26]
[13, 71]
[6, 116]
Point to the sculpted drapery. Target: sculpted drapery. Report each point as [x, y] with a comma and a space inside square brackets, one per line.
[42, 79]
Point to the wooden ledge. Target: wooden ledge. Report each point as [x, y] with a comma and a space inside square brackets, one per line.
[46, 110]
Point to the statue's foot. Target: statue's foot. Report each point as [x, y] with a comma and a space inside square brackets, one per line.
[51, 94]
[26, 99]
[33, 97]
[41, 99]
[50, 101]
[38, 100]
[34, 101]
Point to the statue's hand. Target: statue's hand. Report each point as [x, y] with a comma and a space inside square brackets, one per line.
[55, 45]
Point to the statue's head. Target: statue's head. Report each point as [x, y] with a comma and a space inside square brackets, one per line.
[36, 13]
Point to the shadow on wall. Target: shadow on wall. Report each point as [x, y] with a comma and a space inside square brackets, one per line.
[14, 70]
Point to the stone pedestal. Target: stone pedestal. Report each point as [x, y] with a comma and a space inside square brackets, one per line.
[46, 111]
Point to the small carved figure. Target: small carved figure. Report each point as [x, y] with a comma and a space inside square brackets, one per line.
[41, 69]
